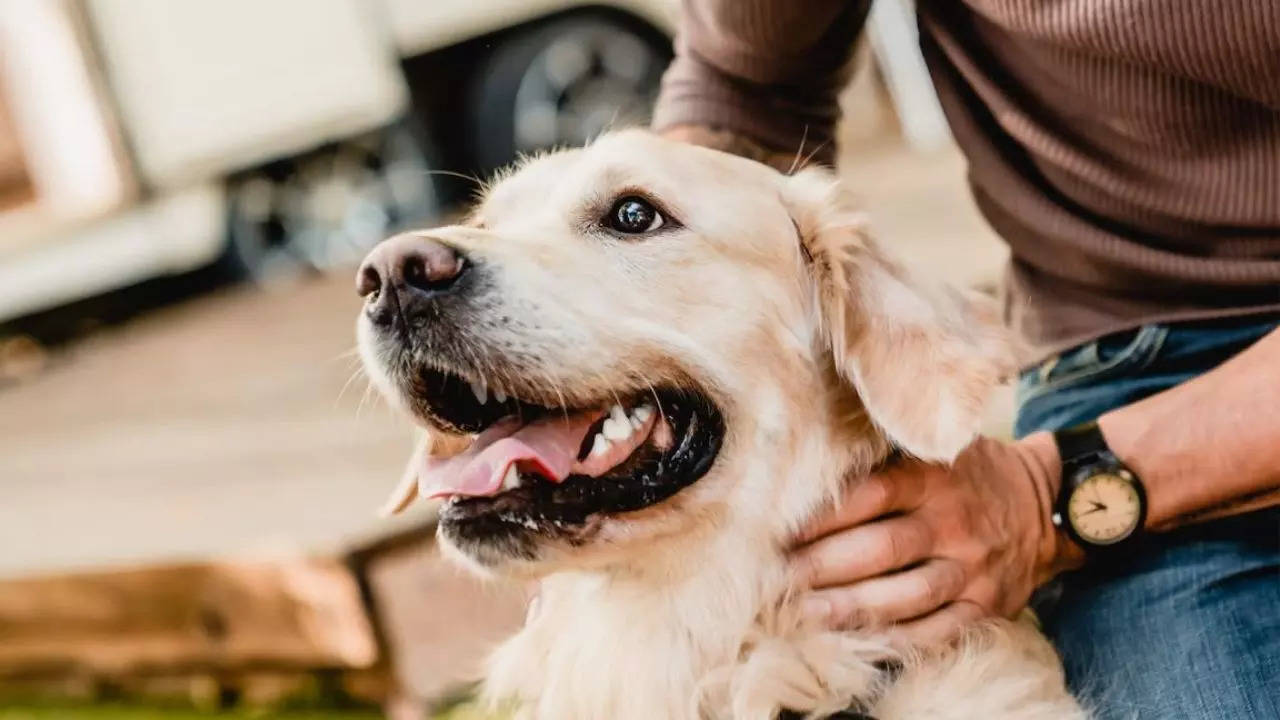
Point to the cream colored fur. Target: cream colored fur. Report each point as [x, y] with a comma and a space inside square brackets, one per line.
[822, 354]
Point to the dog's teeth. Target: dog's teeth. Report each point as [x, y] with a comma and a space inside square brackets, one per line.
[499, 395]
[511, 480]
[640, 416]
[481, 393]
[615, 429]
[599, 446]
[618, 415]
[643, 413]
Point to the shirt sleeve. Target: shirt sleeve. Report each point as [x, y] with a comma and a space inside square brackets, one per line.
[769, 70]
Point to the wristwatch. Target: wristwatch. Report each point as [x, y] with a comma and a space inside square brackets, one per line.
[1102, 503]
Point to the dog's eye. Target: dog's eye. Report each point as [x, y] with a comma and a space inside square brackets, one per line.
[633, 215]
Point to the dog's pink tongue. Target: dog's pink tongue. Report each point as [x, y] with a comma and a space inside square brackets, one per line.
[548, 447]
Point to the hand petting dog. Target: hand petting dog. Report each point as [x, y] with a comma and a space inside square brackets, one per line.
[929, 548]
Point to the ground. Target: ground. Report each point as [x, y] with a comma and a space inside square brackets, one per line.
[222, 426]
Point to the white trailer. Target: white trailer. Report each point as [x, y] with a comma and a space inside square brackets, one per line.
[156, 137]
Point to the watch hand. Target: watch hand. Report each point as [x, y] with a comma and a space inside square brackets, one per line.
[1096, 508]
[1097, 505]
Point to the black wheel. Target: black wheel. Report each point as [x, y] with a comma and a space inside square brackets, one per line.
[328, 208]
[562, 83]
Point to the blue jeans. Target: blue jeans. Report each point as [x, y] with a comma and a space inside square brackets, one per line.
[1188, 624]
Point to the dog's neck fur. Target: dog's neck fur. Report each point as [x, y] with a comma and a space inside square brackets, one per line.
[608, 652]
[640, 641]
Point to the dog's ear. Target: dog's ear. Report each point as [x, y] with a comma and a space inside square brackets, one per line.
[923, 358]
[431, 444]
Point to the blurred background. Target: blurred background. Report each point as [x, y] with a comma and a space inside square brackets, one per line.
[190, 461]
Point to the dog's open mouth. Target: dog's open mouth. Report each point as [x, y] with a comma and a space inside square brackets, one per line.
[537, 467]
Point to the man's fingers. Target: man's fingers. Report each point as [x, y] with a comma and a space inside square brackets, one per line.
[865, 551]
[888, 599]
[940, 627]
[881, 493]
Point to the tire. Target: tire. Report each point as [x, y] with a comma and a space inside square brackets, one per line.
[327, 208]
[561, 83]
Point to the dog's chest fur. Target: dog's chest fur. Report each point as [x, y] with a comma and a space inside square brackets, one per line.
[715, 643]
[721, 642]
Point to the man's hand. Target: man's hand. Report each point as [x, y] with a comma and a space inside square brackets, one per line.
[932, 548]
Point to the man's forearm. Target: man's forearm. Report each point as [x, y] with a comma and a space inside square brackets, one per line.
[766, 70]
[1209, 447]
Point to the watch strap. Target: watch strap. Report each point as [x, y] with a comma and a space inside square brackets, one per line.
[1080, 445]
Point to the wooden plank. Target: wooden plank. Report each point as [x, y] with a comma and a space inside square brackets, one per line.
[437, 621]
[299, 613]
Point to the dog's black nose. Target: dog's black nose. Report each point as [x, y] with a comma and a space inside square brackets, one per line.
[406, 271]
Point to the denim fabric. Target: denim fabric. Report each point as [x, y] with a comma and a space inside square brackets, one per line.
[1188, 624]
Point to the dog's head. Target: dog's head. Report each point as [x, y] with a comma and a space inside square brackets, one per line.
[642, 339]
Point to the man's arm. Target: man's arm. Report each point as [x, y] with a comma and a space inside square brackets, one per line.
[932, 547]
[760, 77]
[1210, 447]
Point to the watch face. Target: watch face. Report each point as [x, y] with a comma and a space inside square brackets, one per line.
[1104, 508]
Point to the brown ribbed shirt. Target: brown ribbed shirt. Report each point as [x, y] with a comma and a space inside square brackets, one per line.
[1128, 151]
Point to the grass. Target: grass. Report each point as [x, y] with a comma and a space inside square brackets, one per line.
[135, 712]
[113, 711]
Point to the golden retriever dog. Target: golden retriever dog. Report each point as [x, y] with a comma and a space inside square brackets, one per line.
[641, 366]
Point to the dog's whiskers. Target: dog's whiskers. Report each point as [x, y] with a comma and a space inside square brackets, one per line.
[555, 387]
[656, 400]
[350, 354]
[365, 397]
[795, 162]
[358, 372]
[811, 155]
[451, 173]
